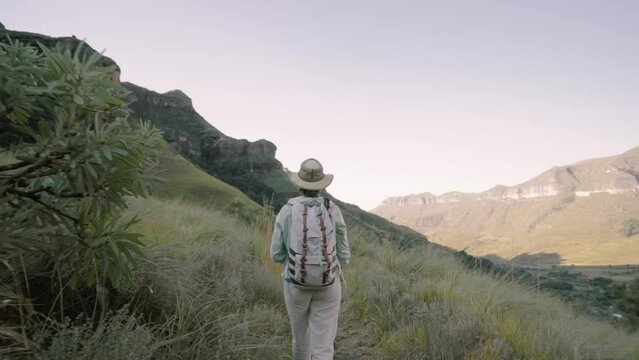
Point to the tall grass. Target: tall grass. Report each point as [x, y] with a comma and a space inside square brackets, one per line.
[203, 293]
[425, 305]
[216, 301]
[209, 291]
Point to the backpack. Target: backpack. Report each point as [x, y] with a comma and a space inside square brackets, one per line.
[312, 254]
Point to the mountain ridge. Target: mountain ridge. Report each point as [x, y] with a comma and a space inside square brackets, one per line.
[630, 184]
[583, 203]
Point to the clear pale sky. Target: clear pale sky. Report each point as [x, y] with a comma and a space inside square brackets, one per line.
[393, 97]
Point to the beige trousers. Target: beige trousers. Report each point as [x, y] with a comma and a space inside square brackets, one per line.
[313, 315]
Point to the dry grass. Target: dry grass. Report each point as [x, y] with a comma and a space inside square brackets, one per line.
[423, 304]
[209, 291]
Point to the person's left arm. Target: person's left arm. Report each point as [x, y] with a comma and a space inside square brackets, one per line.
[280, 234]
[343, 248]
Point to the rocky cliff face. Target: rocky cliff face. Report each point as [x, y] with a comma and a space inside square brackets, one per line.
[575, 211]
[198, 140]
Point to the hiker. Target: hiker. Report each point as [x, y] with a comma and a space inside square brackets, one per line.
[309, 238]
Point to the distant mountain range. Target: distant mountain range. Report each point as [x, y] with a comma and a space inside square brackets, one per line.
[571, 214]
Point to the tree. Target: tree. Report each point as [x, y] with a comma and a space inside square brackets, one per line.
[70, 158]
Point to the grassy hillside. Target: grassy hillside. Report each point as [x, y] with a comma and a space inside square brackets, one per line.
[196, 186]
[397, 304]
[208, 291]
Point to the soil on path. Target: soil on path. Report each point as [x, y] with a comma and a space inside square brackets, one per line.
[354, 340]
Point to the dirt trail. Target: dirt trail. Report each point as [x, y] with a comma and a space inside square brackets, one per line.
[354, 340]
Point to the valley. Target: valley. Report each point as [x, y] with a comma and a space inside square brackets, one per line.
[574, 213]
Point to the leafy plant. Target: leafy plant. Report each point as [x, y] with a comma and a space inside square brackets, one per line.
[72, 158]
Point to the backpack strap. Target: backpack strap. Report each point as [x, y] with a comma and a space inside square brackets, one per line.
[324, 248]
[327, 205]
[304, 244]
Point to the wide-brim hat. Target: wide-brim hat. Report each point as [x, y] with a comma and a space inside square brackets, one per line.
[311, 176]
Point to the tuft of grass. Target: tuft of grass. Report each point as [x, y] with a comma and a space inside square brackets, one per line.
[119, 336]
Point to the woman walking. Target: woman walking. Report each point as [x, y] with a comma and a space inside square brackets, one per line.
[310, 239]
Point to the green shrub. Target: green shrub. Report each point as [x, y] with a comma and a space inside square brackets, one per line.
[73, 158]
[600, 281]
[626, 298]
[630, 227]
[555, 284]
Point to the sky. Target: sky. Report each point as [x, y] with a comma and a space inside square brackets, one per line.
[393, 97]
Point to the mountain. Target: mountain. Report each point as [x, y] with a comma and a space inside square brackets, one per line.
[239, 162]
[250, 166]
[571, 214]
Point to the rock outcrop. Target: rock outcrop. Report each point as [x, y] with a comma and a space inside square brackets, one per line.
[196, 139]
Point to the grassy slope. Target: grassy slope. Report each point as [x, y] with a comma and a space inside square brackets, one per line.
[209, 291]
[220, 296]
[184, 180]
[208, 285]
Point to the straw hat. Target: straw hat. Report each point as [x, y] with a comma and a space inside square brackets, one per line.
[311, 176]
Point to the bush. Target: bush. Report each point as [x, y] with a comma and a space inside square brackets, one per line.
[600, 281]
[630, 227]
[72, 157]
[553, 284]
[626, 298]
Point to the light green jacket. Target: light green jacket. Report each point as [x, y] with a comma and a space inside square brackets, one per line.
[281, 232]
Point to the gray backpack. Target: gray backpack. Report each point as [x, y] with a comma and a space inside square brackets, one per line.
[312, 256]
